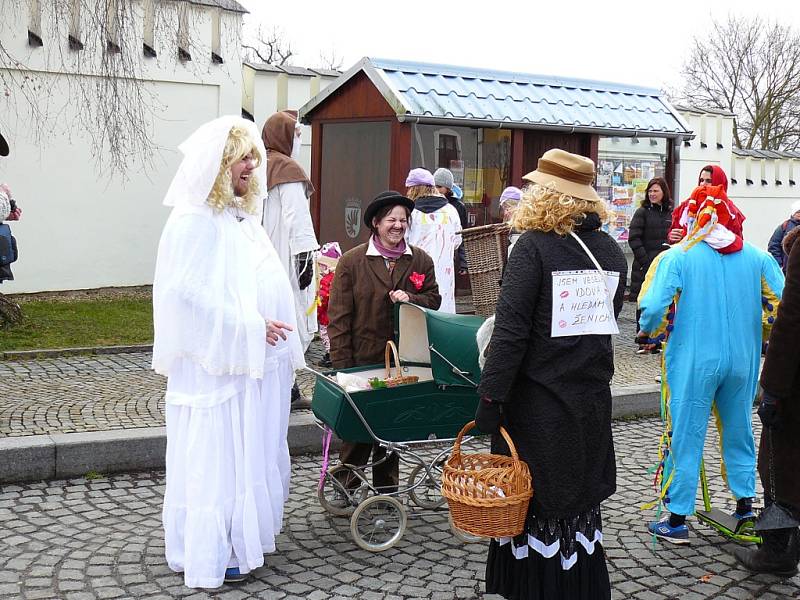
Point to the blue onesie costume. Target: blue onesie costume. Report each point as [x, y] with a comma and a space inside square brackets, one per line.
[715, 310]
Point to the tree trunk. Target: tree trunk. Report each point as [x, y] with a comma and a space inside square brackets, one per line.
[10, 313]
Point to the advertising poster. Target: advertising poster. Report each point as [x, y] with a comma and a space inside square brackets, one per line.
[622, 181]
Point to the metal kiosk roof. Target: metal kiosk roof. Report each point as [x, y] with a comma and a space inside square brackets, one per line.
[430, 93]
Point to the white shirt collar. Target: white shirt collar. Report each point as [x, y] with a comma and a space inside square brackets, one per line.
[373, 251]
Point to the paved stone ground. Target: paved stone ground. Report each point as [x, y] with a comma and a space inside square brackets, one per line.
[81, 540]
[119, 391]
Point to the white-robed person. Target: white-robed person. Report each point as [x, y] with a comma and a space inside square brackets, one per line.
[224, 336]
[435, 227]
[287, 220]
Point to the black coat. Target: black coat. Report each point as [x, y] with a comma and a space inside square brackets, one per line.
[646, 237]
[556, 391]
[775, 245]
[780, 378]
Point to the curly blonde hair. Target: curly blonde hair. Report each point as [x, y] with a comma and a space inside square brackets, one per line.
[420, 191]
[237, 146]
[545, 209]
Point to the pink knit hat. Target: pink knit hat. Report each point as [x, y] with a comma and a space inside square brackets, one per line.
[419, 177]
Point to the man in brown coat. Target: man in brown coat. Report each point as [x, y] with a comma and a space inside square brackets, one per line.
[779, 412]
[369, 280]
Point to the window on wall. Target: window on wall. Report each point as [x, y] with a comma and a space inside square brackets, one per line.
[75, 42]
[216, 38]
[478, 158]
[448, 148]
[183, 33]
[112, 18]
[624, 167]
[148, 43]
[35, 25]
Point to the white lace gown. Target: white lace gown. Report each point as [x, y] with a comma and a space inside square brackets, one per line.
[437, 234]
[228, 393]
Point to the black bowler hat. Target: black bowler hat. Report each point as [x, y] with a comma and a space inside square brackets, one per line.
[387, 198]
[3, 146]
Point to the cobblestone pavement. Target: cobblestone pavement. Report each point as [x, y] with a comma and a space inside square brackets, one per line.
[81, 540]
[119, 391]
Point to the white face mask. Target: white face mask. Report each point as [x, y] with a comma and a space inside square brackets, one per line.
[296, 145]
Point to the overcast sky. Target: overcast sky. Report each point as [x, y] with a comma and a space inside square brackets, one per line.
[641, 42]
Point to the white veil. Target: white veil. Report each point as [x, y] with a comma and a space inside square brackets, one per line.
[202, 155]
[217, 279]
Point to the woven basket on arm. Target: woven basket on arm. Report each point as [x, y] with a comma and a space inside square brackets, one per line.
[488, 494]
[487, 251]
[398, 378]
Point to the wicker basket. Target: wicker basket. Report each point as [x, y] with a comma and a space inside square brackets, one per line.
[487, 251]
[488, 494]
[398, 378]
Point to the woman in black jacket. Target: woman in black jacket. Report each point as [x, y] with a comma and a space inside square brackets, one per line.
[550, 386]
[648, 236]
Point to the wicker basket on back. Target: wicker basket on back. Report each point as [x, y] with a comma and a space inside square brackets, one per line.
[487, 251]
[488, 494]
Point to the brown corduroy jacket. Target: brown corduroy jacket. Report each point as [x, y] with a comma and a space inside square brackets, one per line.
[360, 310]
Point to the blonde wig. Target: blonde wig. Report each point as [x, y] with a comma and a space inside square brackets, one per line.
[545, 209]
[420, 191]
[237, 146]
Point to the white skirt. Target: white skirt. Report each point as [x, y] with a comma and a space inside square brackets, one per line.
[227, 468]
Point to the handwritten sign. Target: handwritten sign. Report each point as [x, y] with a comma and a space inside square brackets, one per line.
[582, 303]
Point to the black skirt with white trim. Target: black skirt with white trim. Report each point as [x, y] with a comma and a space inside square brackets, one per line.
[553, 559]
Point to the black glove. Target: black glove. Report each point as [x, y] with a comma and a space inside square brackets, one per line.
[768, 411]
[489, 416]
[305, 269]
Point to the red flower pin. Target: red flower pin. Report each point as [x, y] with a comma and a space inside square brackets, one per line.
[417, 279]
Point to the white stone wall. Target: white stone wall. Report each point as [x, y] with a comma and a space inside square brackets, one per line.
[83, 227]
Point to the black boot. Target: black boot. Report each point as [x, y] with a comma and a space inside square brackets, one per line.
[298, 400]
[777, 555]
[326, 361]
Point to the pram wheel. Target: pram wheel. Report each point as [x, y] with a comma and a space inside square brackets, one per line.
[428, 493]
[378, 523]
[334, 497]
[462, 535]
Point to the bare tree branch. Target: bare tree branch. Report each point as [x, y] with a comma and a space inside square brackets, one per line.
[95, 86]
[269, 45]
[752, 69]
[330, 59]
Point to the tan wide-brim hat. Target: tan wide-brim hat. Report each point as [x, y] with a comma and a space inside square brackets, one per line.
[567, 173]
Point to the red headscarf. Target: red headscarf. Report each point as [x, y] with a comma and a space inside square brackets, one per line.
[718, 178]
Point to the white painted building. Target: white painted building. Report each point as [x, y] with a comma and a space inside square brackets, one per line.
[82, 227]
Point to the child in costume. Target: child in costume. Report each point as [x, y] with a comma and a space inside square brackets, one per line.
[708, 296]
[328, 258]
